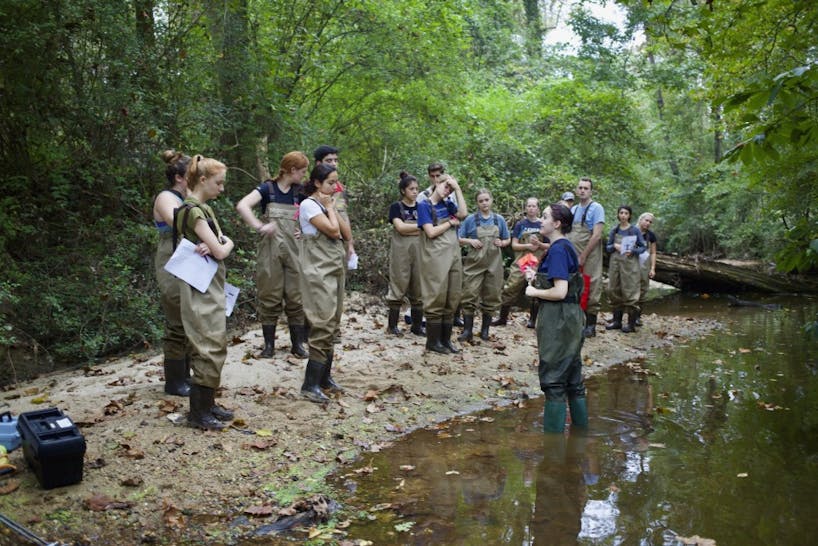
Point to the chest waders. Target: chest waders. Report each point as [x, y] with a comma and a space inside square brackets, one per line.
[404, 280]
[322, 289]
[174, 343]
[516, 283]
[482, 281]
[203, 316]
[580, 236]
[624, 277]
[440, 285]
[559, 347]
[278, 280]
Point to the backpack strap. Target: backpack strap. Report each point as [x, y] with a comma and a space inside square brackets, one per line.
[187, 207]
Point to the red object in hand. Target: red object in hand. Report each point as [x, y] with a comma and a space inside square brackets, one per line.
[527, 261]
[586, 289]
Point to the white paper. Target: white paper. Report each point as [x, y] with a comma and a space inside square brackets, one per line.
[231, 294]
[627, 244]
[643, 258]
[352, 263]
[192, 268]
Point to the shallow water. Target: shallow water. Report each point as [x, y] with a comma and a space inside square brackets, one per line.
[716, 439]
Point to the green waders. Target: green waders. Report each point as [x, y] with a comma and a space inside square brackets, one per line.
[174, 342]
[482, 280]
[322, 277]
[579, 236]
[559, 344]
[278, 279]
[404, 278]
[440, 286]
[624, 276]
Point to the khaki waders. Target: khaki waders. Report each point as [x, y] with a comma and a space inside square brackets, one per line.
[442, 275]
[483, 273]
[516, 283]
[404, 270]
[579, 237]
[173, 341]
[322, 287]
[624, 277]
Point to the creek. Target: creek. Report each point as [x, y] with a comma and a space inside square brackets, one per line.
[717, 438]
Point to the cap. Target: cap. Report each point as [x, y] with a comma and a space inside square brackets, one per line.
[568, 196]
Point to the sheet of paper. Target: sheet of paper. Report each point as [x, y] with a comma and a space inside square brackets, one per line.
[627, 244]
[231, 294]
[643, 258]
[195, 270]
[352, 263]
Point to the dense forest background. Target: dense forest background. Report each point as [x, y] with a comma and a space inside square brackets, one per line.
[703, 112]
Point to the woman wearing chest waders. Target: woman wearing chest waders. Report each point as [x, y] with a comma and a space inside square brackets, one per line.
[203, 314]
[440, 264]
[625, 243]
[647, 261]
[174, 345]
[322, 278]
[560, 320]
[404, 257]
[484, 234]
[278, 274]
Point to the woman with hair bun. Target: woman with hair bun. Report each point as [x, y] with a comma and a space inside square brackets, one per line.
[322, 277]
[558, 284]
[203, 314]
[278, 273]
[177, 367]
[404, 258]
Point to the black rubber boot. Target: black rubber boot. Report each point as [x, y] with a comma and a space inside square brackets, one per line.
[298, 336]
[311, 389]
[590, 326]
[392, 326]
[468, 329]
[221, 413]
[201, 406]
[446, 337]
[269, 331]
[327, 382]
[502, 320]
[457, 320]
[177, 381]
[485, 324]
[417, 321]
[616, 322]
[631, 325]
[433, 338]
[638, 320]
[532, 313]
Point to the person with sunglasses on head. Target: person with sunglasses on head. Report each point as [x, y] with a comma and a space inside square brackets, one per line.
[647, 262]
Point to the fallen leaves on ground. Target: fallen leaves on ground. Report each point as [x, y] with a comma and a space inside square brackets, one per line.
[101, 503]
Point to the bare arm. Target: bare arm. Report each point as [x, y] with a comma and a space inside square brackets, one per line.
[433, 231]
[405, 228]
[555, 293]
[163, 207]
[245, 209]
[327, 224]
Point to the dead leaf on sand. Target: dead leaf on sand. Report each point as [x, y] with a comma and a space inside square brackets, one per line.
[9, 486]
[263, 510]
[101, 503]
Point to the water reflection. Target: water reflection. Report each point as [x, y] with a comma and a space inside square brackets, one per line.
[716, 439]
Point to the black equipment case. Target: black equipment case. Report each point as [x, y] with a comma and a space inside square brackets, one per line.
[53, 447]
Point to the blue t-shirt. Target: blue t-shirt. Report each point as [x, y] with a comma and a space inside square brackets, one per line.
[468, 229]
[443, 211]
[596, 214]
[560, 262]
[292, 197]
[524, 227]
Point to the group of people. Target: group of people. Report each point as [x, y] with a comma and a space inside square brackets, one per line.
[305, 245]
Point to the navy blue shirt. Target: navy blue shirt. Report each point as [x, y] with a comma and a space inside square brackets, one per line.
[560, 262]
[291, 197]
[443, 209]
[525, 226]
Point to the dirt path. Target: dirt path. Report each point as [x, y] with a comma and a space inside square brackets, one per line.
[152, 481]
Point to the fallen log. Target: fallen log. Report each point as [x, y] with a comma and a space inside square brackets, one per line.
[702, 275]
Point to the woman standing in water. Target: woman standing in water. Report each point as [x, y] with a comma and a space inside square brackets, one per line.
[177, 367]
[404, 258]
[558, 285]
[278, 274]
[203, 314]
[322, 277]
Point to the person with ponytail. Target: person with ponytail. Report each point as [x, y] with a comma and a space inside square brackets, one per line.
[323, 271]
[203, 314]
[278, 273]
[404, 259]
[174, 346]
[558, 284]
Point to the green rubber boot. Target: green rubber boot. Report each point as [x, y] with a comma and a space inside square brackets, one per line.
[553, 419]
[579, 412]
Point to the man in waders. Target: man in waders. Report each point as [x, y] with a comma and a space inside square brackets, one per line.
[586, 236]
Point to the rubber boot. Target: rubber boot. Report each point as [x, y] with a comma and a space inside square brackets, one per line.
[485, 324]
[269, 331]
[616, 321]
[298, 336]
[532, 313]
[417, 321]
[176, 377]
[631, 324]
[638, 320]
[446, 337]
[579, 412]
[502, 320]
[392, 326]
[590, 325]
[221, 413]
[311, 389]
[201, 405]
[553, 419]
[433, 338]
[327, 382]
[468, 329]
[457, 320]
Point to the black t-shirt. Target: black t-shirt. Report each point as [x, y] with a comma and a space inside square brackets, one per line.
[401, 210]
[291, 197]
